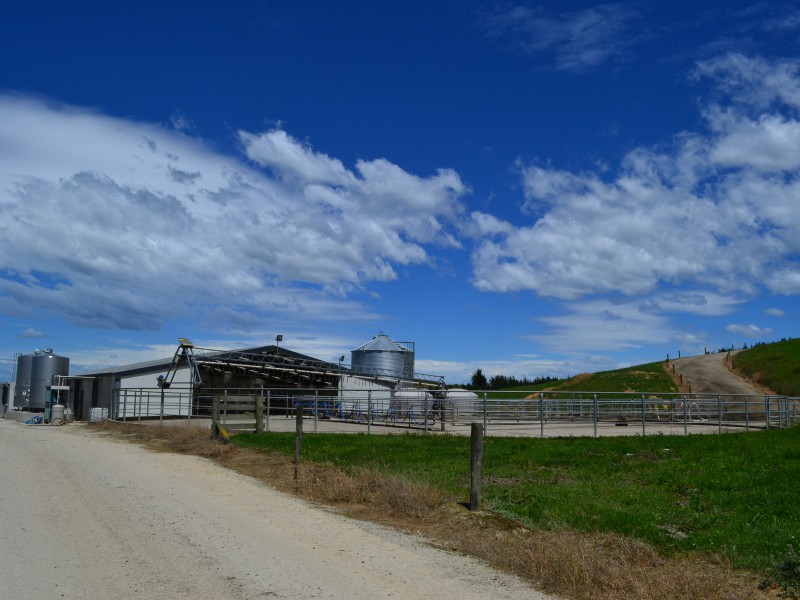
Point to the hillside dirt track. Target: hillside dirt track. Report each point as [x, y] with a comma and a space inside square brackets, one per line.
[86, 517]
[710, 374]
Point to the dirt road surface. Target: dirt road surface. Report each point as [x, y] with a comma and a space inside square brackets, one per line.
[709, 374]
[85, 517]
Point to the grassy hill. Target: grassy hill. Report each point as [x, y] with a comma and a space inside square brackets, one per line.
[649, 378]
[775, 366]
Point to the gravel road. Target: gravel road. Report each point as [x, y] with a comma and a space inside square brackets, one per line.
[86, 517]
[709, 374]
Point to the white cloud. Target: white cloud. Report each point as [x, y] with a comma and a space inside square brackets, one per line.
[770, 143]
[753, 82]
[716, 210]
[112, 222]
[751, 332]
[293, 160]
[30, 334]
[786, 281]
[521, 366]
[577, 40]
[605, 325]
[775, 312]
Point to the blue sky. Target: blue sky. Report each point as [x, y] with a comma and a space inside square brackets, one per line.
[527, 188]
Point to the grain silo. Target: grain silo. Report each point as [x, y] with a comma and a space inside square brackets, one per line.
[383, 356]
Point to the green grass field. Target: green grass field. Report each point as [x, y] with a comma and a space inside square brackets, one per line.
[650, 377]
[733, 495]
[776, 366]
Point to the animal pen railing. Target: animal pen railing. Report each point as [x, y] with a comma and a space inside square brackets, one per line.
[534, 414]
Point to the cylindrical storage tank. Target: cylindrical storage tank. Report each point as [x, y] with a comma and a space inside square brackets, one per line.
[410, 403]
[464, 403]
[23, 381]
[383, 356]
[45, 368]
[57, 413]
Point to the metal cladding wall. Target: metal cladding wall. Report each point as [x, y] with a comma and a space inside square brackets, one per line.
[45, 368]
[382, 355]
[23, 381]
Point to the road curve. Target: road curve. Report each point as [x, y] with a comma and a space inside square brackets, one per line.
[86, 517]
[709, 374]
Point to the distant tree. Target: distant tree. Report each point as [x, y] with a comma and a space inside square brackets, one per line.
[479, 381]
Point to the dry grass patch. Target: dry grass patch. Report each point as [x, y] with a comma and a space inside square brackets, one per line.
[592, 566]
[566, 563]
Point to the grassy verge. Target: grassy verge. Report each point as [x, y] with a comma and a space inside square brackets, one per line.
[729, 495]
[579, 518]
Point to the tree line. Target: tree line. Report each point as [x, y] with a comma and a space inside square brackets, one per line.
[479, 381]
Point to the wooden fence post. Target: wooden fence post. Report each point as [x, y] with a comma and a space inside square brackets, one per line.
[476, 461]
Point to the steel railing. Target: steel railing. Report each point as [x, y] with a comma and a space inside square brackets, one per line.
[513, 413]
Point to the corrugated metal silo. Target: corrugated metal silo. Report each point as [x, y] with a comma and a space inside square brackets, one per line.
[22, 387]
[383, 356]
[46, 366]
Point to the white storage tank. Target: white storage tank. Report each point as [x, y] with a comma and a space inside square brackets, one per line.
[410, 401]
[384, 356]
[57, 413]
[464, 403]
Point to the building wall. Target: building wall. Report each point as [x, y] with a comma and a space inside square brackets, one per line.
[139, 395]
[148, 380]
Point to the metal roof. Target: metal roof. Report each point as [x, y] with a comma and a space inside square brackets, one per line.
[261, 360]
[382, 343]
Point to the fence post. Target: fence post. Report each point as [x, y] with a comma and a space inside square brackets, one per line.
[268, 408]
[215, 415]
[719, 414]
[425, 407]
[685, 422]
[747, 413]
[369, 412]
[161, 412]
[766, 411]
[485, 415]
[298, 439]
[541, 414]
[476, 463]
[259, 413]
[594, 414]
[644, 417]
[316, 409]
[125, 406]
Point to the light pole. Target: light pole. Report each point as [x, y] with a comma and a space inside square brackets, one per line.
[278, 340]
